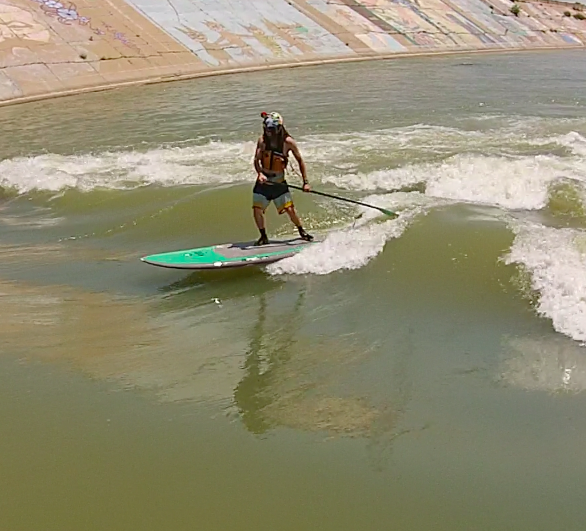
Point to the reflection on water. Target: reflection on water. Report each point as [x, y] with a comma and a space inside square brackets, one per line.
[308, 383]
[264, 367]
[56, 322]
[291, 380]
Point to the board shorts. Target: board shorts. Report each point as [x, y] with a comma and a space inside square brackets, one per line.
[277, 192]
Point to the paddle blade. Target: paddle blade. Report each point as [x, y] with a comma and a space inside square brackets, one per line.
[389, 213]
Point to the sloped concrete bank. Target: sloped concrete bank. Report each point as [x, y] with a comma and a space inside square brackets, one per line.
[52, 48]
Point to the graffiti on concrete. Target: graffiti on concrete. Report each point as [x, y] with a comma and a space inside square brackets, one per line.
[236, 32]
[68, 13]
[17, 23]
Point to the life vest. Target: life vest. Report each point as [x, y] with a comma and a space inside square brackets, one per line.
[274, 161]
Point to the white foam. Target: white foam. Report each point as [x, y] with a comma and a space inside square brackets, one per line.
[189, 164]
[380, 179]
[504, 181]
[556, 261]
[354, 246]
[574, 141]
[343, 249]
[215, 162]
[507, 136]
[365, 161]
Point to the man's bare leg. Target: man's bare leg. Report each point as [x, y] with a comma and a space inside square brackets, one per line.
[259, 218]
[295, 219]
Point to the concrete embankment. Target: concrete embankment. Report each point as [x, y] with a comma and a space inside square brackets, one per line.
[51, 47]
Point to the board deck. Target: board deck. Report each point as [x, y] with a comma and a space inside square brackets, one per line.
[228, 255]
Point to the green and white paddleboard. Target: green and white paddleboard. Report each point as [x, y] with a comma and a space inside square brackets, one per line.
[228, 255]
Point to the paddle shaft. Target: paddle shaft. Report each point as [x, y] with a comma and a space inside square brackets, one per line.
[383, 210]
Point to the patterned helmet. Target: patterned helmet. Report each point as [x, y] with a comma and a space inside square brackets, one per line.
[272, 121]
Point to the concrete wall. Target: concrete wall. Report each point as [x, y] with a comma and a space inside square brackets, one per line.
[52, 47]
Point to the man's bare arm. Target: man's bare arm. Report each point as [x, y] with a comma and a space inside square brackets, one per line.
[257, 159]
[297, 154]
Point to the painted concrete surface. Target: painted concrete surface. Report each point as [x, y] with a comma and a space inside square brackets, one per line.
[47, 46]
[52, 46]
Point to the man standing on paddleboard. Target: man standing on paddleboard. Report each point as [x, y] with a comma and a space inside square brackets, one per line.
[270, 162]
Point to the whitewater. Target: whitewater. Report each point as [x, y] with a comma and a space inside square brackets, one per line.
[519, 166]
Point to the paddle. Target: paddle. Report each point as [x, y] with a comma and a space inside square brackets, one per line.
[383, 210]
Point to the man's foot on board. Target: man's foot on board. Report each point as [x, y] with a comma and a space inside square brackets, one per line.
[263, 240]
[304, 235]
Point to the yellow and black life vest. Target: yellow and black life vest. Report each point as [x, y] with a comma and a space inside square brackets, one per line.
[273, 161]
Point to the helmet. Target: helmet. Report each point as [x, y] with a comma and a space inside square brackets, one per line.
[272, 121]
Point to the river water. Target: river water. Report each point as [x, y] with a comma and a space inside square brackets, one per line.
[421, 373]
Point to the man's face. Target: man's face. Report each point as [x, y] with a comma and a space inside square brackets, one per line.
[272, 127]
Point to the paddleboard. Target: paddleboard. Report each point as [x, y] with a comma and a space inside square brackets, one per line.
[228, 255]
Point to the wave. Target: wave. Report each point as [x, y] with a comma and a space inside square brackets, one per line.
[497, 165]
[555, 260]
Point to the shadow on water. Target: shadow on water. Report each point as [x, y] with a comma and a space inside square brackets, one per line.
[199, 278]
[198, 288]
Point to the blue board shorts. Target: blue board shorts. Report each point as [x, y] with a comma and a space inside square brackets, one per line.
[277, 192]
